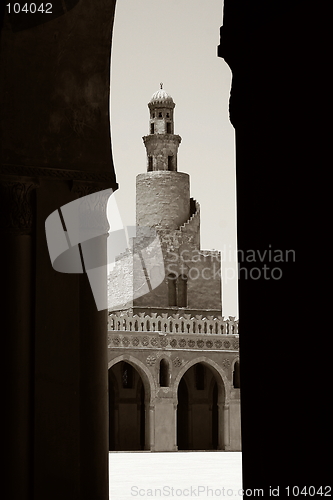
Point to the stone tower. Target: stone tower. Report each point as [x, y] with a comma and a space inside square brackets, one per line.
[192, 281]
[173, 358]
[163, 193]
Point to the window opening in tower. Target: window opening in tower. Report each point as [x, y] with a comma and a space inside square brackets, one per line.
[164, 373]
[172, 292]
[182, 291]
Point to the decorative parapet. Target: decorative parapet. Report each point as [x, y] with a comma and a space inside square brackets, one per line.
[174, 324]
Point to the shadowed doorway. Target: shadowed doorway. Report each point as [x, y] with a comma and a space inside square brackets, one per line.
[198, 418]
[126, 408]
[182, 417]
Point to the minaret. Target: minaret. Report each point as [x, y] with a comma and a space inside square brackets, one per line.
[163, 193]
[178, 277]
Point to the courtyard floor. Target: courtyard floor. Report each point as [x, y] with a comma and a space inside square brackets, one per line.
[175, 475]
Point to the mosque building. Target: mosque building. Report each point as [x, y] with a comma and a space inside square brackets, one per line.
[173, 358]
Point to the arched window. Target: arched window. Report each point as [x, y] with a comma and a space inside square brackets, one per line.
[164, 373]
[151, 128]
[170, 166]
[168, 128]
[182, 290]
[172, 291]
[236, 375]
[150, 163]
[127, 375]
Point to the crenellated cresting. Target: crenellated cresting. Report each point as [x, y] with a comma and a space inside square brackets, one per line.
[185, 324]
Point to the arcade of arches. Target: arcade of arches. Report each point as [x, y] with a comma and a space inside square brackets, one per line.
[187, 410]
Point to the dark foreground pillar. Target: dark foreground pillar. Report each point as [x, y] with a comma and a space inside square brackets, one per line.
[17, 207]
[55, 133]
[94, 425]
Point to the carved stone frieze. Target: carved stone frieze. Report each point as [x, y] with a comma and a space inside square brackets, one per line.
[106, 178]
[190, 342]
[16, 210]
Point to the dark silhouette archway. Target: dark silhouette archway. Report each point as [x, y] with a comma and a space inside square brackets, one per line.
[183, 417]
[127, 426]
[198, 418]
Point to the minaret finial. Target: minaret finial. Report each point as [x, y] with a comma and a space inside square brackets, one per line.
[161, 85]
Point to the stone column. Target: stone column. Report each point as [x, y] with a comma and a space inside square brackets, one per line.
[151, 428]
[17, 264]
[175, 406]
[226, 426]
[165, 422]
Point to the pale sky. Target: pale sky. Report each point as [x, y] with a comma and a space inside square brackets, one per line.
[175, 42]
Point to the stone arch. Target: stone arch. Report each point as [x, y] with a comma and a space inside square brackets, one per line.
[222, 380]
[132, 411]
[147, 377]
[209, 411]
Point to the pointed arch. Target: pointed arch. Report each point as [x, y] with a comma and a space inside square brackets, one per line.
[222, 380]
[147, 378]
[204, 413]
[131, 418]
